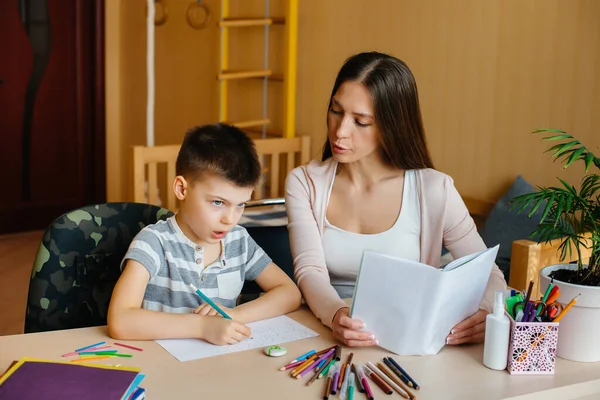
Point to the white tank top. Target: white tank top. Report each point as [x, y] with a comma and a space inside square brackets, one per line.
[343, 249]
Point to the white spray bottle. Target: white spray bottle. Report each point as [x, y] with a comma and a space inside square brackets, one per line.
[497, 333]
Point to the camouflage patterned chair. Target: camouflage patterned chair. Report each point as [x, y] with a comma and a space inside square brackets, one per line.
[78, 264]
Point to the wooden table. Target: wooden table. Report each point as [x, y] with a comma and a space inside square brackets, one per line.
[454, 373]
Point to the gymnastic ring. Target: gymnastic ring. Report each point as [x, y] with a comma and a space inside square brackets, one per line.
[197, 5]
[165, 12]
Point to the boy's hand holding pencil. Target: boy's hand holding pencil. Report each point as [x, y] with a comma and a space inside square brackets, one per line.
[223, 331]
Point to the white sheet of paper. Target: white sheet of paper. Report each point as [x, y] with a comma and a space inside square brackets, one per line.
[265, 333]
[411, 307]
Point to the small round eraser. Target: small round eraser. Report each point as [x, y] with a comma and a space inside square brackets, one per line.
[275, 351]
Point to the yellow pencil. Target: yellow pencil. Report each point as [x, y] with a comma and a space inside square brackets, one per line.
[303, 367]
[89, 359]
[298, 369]
[567, 308]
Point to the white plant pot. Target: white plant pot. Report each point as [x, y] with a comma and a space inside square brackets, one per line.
[579, 330]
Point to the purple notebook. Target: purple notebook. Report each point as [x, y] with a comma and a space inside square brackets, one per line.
[54, 381]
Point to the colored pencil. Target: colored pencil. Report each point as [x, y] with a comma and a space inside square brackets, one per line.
[323, 357]
[323, 364]
[99, 353]
[313, 378]
[303, 367]
[387, 380]
[567, 308]
[396, 371]
[528, 296]
[394, 378]
[119, 355]
[89, 359]
[325, 350]
[414, 383]
[128, 346]
[99, 348]
[209, 301]
[304, 364]
[292, 365]
[302, 357]
[90, 346]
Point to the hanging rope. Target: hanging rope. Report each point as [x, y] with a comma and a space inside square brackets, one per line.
[150, 74]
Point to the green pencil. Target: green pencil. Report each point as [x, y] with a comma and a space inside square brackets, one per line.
[98, 353]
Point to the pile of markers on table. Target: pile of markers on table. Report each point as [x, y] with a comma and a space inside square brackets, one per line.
[345, 378]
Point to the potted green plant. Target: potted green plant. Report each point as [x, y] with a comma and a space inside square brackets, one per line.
[574, 216]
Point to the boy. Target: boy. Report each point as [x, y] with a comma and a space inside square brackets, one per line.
[217, 169]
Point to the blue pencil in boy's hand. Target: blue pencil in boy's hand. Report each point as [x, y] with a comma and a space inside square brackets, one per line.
[209, 301]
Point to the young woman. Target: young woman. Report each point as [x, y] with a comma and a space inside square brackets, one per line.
[376, 189]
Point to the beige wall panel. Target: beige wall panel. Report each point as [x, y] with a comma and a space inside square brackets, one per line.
[488, 72]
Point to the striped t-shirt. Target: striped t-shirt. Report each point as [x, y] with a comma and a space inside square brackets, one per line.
[174, 261]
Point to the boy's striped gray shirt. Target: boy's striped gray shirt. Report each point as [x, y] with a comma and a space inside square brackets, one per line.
[174, 262]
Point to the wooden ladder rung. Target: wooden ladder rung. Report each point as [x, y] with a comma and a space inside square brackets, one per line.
[248, 124]
[243, 74]
[253, 132]
[245, 22]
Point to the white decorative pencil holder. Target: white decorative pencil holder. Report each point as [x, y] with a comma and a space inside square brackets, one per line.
[532, 347]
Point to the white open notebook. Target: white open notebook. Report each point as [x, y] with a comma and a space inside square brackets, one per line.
[411, 307]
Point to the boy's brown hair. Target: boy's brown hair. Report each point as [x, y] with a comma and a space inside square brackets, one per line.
[220, 149]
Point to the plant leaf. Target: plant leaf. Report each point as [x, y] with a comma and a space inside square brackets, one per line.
[548, 206]
[564, 148]
[589, 157]
[569, 187]
[548, 130]
[574, 156]
[560, 204]
[539, 201]
[558, 137]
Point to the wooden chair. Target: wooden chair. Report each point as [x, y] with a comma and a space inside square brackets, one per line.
[528, 258]
[271, 151]
[151, 157]
[295, 151]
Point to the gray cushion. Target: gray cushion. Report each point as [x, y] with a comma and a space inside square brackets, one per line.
[503, 226]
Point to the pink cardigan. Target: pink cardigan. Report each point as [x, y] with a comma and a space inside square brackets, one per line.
[444, 220]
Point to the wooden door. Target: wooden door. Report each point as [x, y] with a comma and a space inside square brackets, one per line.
[51, 110]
